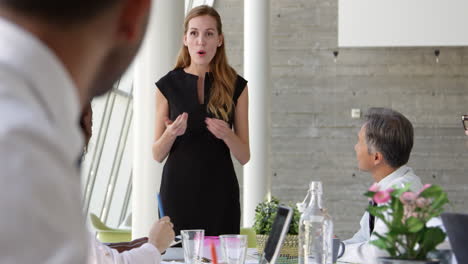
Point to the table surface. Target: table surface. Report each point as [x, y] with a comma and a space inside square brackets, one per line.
[176, 256]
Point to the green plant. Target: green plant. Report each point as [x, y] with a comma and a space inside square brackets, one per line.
[405, 214]
[265, 213]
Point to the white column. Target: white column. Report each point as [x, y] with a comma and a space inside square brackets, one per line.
[155, 59]
[257, 172]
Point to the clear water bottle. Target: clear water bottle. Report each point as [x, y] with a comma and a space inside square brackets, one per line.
[315, 229]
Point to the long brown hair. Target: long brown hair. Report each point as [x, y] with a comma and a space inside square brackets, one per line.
[220, 102]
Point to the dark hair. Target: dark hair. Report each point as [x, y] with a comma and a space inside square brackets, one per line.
[390, 133]
[86, 124]
[60, 11]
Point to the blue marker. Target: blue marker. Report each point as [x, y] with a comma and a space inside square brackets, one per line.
[161, 210]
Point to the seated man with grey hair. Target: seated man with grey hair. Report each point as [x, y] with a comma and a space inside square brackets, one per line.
[383, 149]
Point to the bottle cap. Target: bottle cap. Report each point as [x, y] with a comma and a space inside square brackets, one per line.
[315, 186]
[301, 207]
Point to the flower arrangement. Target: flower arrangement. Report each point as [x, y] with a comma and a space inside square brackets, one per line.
[405, 214]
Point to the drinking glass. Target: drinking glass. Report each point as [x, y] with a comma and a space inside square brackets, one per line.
[192, 242]
[234, 248]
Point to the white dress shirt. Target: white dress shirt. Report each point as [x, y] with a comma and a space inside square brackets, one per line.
[40, 143]
[358, 249]
[101, 254]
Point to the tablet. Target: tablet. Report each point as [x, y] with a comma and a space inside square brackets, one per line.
[276, 237]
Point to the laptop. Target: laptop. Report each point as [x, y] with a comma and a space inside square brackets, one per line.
[278, 232]
[457, 232]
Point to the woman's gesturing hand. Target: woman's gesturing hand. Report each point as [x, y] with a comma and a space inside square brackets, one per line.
[218, 128]
[177, 127]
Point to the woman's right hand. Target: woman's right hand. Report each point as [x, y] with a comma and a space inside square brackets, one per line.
[177, 127]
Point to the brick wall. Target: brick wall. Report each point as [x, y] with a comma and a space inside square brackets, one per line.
[313, 135]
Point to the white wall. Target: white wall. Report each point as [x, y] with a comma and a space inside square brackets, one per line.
[385, 23]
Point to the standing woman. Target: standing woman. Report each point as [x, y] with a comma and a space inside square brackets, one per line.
[201, 118]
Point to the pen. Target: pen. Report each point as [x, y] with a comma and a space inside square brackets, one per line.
[214, 258]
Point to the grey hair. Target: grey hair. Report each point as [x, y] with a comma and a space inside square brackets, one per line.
[390, 133]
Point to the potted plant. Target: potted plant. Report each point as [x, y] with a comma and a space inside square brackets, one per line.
[406, 214]
[265, 214]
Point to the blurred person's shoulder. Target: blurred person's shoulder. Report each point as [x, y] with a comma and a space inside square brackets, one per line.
[20, 108]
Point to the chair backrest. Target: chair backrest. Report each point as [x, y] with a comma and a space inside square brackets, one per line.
[457, 232]
[251, 240]
[106, 234]
[98, 224]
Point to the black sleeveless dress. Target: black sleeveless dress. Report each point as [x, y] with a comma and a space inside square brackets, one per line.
[199, 188]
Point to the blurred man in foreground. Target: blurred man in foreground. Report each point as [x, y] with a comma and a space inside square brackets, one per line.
[53, 58]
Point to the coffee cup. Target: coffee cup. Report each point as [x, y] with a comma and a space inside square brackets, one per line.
[338, 249]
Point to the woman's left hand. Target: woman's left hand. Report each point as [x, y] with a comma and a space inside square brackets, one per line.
[218, 128]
